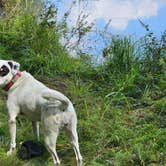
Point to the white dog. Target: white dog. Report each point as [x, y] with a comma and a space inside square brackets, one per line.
[31, 98]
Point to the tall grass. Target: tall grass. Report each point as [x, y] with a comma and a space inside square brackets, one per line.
[31, 39]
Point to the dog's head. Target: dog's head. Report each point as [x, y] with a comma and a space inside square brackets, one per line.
[7, 70]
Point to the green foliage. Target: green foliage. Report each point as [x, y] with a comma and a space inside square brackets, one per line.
[31, 39]
[120, 55]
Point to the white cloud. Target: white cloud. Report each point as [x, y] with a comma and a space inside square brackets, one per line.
[120, 12]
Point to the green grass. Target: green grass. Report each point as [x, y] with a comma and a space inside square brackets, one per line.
[107, 135]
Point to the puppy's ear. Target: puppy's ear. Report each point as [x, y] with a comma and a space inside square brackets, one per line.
[10, 64]
[15, 66]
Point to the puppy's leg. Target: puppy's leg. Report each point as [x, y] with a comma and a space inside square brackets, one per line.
[12, 130]
[35, 126]
[50, 142]
[51, 131]
[72, 133]
[13, 112]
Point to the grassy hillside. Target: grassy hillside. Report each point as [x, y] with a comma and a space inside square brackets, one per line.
[120, 104]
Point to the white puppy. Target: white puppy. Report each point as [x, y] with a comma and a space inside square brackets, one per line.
[31, 98]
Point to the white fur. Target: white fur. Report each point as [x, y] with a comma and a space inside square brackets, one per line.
[34, 100]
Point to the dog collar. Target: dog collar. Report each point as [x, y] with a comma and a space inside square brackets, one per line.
[14, 79]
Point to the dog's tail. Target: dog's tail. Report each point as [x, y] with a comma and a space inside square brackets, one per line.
[52, 95]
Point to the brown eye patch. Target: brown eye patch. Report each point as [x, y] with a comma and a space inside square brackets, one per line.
[4, 71]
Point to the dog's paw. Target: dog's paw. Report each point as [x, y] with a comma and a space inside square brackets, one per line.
[10, 152]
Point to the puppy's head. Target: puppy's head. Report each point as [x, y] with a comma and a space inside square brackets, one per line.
[7, 70]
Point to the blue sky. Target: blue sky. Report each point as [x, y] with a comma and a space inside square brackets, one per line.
[156, 23]
[124, 15]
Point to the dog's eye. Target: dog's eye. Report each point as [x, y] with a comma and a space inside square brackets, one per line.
[4, 71]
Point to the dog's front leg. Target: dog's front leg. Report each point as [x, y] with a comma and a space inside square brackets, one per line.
[13, 111]
[35, 126]
[12, 129]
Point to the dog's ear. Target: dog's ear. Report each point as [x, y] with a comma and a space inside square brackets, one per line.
[10, 64]
[15, 66]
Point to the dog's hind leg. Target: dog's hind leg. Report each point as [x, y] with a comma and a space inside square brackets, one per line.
[35, 126]
[50, 143]
[51, 132]
[72, 133]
